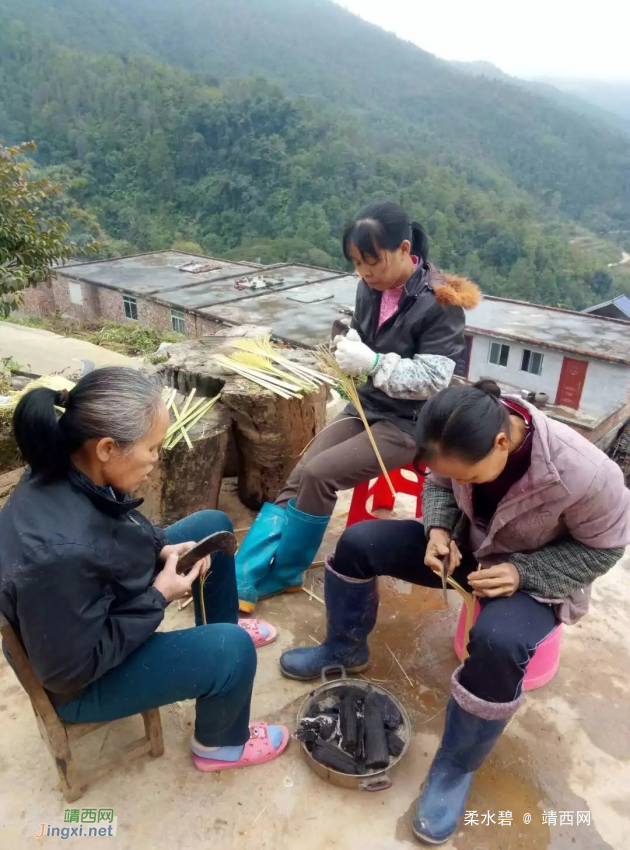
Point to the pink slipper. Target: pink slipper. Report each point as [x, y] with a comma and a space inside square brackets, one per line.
[253, 627]
[258, 750]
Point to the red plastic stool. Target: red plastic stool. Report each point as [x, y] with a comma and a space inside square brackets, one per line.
[382, 496]
[544, 663]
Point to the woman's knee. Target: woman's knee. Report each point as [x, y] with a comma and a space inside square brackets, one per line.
[488, 640]
[315, 475]
[231, 654]
[197, 526]
[212, 521]
[352, 553]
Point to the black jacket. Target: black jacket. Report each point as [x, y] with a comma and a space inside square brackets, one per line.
[429, 320]
[76, 572]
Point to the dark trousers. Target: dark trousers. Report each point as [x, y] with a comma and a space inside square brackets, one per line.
[214, 664]
[508, 628]
[339, 458]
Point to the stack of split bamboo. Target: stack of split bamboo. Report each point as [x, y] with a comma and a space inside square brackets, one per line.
[186, 419]
[258, 361]
[348, 385]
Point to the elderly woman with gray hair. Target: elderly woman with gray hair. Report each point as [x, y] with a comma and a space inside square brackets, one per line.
[85, 579]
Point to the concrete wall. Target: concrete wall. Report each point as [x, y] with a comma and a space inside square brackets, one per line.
[605, 388]
[89, 303]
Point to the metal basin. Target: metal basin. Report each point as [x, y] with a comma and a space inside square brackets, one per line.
[375, 780]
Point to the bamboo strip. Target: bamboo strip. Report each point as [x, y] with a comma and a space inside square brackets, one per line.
[198, 415]
[180, 425]
[327, 359]
[264, 364]
[182, 420]
[188, 401]
[263, 383]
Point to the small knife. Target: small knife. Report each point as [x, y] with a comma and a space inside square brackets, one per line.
[456, 536]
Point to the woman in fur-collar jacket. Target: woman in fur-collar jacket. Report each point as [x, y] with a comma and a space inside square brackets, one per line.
[405, 337]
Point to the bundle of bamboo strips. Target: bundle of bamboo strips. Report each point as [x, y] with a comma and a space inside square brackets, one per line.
[186, 419]
[263, 347]
[257, 360]
[348, 385]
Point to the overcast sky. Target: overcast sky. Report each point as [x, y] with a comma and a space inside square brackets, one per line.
[568, 38]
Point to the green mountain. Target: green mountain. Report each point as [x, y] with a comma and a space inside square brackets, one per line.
[613, 96]
[136, 107]
[407, 98]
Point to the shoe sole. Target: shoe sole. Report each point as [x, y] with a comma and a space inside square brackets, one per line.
[431, 841]
[360, 668]
[250, 607]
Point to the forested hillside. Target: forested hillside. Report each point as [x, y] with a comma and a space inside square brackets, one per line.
[151, 155]
[407, 99]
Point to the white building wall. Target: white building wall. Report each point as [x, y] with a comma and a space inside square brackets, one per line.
[605, 388]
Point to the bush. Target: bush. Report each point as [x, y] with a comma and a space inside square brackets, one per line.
[130, 339]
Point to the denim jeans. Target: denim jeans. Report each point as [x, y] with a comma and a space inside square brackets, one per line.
[214, 664]
[507, 631]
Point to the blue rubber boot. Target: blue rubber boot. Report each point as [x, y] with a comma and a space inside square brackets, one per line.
[301, 538]
[351, 609]
[256, 553]
[467, 741]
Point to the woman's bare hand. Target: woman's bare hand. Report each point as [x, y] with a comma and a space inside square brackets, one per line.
[173, 586]
[439, 545]
[501, 580]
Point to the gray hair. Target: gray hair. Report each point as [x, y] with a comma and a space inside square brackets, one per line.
[115, 402]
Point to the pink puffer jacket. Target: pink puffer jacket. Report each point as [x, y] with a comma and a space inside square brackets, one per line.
[571, 488]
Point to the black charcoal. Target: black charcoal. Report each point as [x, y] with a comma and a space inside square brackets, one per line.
[376, 751]
[394, 744]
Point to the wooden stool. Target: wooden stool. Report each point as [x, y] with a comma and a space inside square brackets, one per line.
[379, 489]
[58, 735]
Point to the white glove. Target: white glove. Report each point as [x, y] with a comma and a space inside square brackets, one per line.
[354, 357]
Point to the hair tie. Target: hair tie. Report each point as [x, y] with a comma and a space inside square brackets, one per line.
[62, 398]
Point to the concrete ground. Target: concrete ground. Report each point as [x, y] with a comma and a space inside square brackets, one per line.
[568, 750]
[44, 353]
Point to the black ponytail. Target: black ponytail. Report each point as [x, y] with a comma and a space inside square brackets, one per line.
[38, 434]
[419, 241]
[384, 226]
[462, 422]
[50, 426]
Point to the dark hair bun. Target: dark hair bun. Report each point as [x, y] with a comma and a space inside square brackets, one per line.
[489, 387]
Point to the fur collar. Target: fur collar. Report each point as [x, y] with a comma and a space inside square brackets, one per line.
[457, 292]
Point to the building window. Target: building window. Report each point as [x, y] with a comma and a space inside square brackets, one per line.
[178, 321]
[131, 307]
[532, 362]
[75, 291]
[499, 354]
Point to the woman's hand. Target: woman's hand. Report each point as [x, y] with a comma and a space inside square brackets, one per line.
[355, 357]
[173, 586]
[178, 549]
[439, 545]
[501, 580]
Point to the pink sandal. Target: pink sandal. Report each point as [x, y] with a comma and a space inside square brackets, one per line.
[258, 750]
[253, 627]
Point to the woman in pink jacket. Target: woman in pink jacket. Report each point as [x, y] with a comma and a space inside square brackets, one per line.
[547, 514]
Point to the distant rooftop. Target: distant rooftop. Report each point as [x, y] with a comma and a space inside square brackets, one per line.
[299, 303]
[551, 327]
[148, 274]
[621, 302]
[302, 315]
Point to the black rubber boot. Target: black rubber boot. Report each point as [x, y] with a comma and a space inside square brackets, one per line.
[467, 741]
[351, 609]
